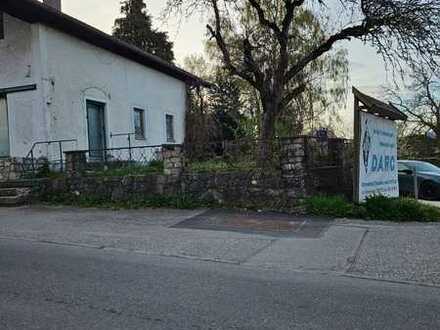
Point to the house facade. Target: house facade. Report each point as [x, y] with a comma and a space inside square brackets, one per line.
[61, 79]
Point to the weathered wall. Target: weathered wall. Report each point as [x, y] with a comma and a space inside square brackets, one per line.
[108, 188]
[9, 169]
[78, 71]
[231, 189]
[17, 53]
[244, 189]
[67, 72]
[21, 64]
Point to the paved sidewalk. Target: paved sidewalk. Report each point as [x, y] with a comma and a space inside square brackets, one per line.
[396, 252]
[431, 203]
[146, 231]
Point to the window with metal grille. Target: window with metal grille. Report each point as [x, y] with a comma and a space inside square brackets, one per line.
[170, 127]
[139, 124]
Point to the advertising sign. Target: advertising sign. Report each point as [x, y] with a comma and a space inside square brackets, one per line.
[378, 172]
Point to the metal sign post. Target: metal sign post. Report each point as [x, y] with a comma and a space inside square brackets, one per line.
[416, 184]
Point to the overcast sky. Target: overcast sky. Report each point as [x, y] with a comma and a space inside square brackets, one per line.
[367, 71]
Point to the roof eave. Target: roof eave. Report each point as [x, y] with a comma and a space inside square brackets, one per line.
[380, 108]
[35, 12]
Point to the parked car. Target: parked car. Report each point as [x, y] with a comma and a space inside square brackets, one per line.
[428, 179]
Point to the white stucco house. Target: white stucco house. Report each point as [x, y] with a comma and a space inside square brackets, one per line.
[61, 79]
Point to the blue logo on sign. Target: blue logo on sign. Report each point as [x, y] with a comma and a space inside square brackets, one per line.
[382, 163]
[366, 146]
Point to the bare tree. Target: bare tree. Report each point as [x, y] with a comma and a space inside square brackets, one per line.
[420, 100]
[399, 29]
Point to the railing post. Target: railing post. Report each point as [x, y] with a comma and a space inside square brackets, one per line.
[416, 183]
[129, 148]
[32, 161]
[61, 156]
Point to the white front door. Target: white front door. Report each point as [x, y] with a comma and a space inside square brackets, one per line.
[4, 128]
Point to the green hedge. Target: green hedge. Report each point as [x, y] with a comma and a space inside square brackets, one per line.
[375, 208]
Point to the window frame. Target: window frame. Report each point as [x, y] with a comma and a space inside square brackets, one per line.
[142, 113]
[173, 128]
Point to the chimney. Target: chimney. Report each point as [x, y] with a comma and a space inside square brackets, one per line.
[56, 4]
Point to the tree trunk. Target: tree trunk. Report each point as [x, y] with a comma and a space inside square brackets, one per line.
[267, 133]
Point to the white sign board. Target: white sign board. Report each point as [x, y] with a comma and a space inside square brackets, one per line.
[378, 172]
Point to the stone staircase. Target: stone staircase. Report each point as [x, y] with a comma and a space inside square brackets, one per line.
[15, 193]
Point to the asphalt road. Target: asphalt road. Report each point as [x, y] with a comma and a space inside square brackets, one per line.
[47, 286]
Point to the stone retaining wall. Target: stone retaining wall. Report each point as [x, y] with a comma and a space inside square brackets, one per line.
[10, 169]
[109, 188]
[259, 188]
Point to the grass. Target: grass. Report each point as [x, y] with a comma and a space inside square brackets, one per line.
[375, 208]
[220, 166]
[152, 167]
[178, 202]
[335, 206]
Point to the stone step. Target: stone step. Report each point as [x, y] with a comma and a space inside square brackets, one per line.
[17, 184]
[14, 196]
[12, 201]
[5, 192]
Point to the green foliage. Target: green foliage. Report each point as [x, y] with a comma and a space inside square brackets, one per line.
[335, 206]
[43, 172]
[375, 208]
[216, 112]
[325, 79]
[400, 209]
[220, 166]
[178, 202]
[225, 104]
[152, 167]
[136, 28]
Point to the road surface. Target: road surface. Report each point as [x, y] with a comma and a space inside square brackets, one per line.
[56, 286]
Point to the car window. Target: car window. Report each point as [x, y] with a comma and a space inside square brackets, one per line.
[403, 167]
[426, 167]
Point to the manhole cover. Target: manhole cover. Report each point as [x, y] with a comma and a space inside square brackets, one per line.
[253, 222]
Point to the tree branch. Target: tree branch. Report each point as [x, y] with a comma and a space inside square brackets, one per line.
[345, 34]
[291, 94]
[217, 35]
[263, 20]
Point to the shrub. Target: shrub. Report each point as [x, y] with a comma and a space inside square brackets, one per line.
[176, 201]
[334, 206]
[399, 209]
[221, 166]
[154, 166]
[375, 208]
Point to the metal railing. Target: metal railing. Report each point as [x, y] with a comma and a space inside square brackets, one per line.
[241, 154]
[120, 161]
[326, 153]
[59, 158]
[128, 135]
[128, 155]
[252, 154]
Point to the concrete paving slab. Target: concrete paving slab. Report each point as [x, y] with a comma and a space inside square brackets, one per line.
[400, 253]
[430, 203]
[251, 222]
[143, 231]
[397, 252]
[332, 253]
